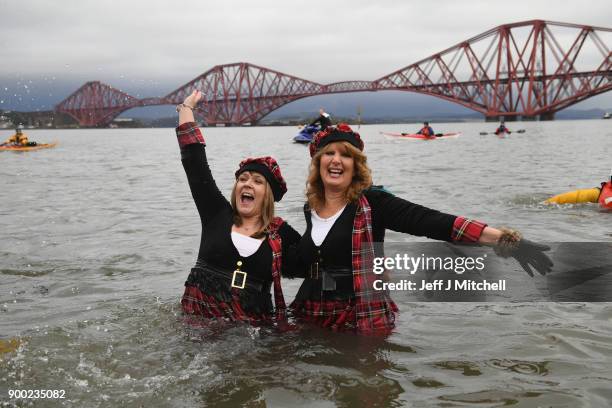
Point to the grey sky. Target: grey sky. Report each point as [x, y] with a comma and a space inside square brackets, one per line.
[163, 44]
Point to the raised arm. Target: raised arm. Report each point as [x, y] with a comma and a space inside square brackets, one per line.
[206, 194]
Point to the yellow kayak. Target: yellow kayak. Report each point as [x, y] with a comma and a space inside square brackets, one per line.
[27, 148]
[588, 195]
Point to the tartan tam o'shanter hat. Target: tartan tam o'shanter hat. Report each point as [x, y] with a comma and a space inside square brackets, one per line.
[269, 168]
[340, 133]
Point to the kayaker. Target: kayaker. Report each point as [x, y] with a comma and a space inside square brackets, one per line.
[19, 138]
[601, 195]
[605, 195]
[324, 120]
[426, 130]
[345, 215]
[244, 248]
[502, 129]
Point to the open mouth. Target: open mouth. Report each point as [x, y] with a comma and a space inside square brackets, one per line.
[246, 197]
[335, 172]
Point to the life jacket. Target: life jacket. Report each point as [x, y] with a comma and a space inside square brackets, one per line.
[425, 131]
[605, 197]
[19, 139]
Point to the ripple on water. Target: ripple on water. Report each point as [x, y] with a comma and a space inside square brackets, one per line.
[26, 272]
[520, 367]
[109, 329]
[498, 398]
[467, 368]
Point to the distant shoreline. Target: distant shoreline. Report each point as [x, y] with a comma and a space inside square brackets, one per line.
[294, 125]
[53, 120]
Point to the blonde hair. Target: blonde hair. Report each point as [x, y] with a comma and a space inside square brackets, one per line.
[362, 176]
[267, 210]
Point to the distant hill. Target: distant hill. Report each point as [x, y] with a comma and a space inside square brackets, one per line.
[581, 114]
[303, 117]
[376, 107]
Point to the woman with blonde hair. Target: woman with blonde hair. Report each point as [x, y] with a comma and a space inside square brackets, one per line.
[244, 248]
[345, 216]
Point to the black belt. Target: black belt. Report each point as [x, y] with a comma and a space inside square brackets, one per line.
[235, 279]
[329, 276]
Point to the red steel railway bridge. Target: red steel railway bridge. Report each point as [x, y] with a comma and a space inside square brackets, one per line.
[530, 69]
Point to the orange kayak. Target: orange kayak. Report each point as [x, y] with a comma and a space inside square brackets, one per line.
[27, 148]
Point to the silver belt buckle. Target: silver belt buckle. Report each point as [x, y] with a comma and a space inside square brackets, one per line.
[328, 282]
[316, 274]
[243, 277]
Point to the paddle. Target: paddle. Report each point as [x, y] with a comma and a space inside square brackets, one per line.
[493, 133]
[437, 134]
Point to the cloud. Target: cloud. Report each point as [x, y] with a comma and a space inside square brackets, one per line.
[132, 43]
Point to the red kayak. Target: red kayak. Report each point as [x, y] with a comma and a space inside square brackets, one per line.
[502, 134]
[419, 137]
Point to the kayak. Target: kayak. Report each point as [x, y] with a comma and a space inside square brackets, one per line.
[27, 148]
[502, 134]
[415, 136]
[306, 134]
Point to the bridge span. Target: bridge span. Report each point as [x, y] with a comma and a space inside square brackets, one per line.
[530, 69]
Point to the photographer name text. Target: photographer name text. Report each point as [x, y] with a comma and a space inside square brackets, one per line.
[440, 285]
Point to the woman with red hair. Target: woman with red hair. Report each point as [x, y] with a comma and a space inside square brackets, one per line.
[345, 216]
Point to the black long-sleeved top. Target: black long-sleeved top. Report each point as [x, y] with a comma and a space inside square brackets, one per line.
[216, 246]
[335, 252]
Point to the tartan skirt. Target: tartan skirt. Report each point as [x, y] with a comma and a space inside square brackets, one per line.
[209, 297]
[343, 315]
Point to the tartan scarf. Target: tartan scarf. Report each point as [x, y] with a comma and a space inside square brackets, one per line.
[274, 239]
[370, 304]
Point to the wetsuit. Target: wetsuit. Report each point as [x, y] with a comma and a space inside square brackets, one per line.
[324, 120]
[208, 289]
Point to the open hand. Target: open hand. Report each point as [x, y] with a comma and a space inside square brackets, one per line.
[528, 254]
[531, 255]
[194, 98]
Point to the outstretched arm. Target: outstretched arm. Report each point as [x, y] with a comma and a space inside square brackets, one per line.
[403, 216]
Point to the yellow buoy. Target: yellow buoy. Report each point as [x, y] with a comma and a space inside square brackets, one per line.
[588, 195]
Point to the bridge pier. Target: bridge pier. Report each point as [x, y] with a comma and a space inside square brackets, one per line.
[547, 116]
[524, 118]
[499, 118]
[542, 117]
